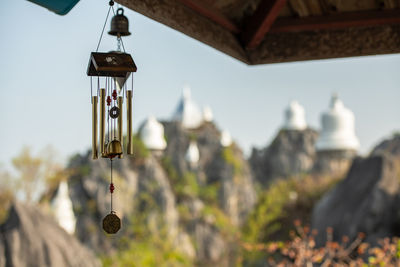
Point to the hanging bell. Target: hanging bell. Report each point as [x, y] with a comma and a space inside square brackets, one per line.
[119, 24]
[114, 148]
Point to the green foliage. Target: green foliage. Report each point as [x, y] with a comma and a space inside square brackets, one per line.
[220, 220]
[278, 207]
[170, 169]
[34, 173]
[396, 134]
[209, 193]
[154, 251]
[229, 157]
[139, 148]
[91, 206]
[140, 151]
[187, 185]
[282, 203]
[264, 219]
[6, 197]
[193, 137]
[398, 249]
[85, 169]
[146, 242]
[29, 170]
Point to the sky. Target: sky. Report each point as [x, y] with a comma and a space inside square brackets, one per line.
[45, 93]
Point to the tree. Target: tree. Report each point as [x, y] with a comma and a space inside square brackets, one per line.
[34, 173]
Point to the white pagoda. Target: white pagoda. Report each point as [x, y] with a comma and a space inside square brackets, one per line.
[189, 113]
[62, 207]
[192, 154]
[226, 138]
[338, 131]
[152, 134]
[294, 117]
[208, 115]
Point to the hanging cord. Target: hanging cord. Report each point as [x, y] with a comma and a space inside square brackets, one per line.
[98, 85]
[119, 39]
[111, 3]
[120, 42]
[115, 104]
[132, 87]
[111, 186]
[109, 129]
[91, 90]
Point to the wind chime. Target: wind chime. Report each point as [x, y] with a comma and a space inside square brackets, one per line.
[112, 70]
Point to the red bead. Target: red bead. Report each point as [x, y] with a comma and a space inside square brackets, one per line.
[114, 94]
[112, 188]
[108, 100]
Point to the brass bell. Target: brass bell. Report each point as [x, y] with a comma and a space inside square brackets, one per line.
[119, 24]
[114, 148]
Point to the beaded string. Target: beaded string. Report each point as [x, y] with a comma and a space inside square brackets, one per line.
[112, 186]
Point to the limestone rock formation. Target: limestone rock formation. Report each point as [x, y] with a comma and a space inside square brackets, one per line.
[132, 180]
[367, 200]
[225, 166]
[189, 201]
[390, 146]
[290, 153]
[30, 238]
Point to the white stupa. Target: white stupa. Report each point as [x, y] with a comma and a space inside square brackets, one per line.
[338, 132]
[226, 138]
[192, 154]
[152, 134]
[187, 112]
[294, 117]
[62, 207]
[208, 115]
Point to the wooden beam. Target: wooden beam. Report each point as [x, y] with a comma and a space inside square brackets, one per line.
[260, 22]
[337, 21]
[177, 16]
[323, 44]
[211, 13]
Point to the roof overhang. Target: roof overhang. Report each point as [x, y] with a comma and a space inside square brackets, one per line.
[272, 31]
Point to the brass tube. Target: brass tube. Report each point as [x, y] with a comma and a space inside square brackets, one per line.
[94, 127]
[120, 133]
[102, 121]
[129, 122]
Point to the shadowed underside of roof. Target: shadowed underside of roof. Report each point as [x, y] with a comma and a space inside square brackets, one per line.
[271, 31]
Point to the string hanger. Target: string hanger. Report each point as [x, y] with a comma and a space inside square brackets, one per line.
[111, 3]
[119, 39]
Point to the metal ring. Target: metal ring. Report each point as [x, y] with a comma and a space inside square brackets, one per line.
[114, 112]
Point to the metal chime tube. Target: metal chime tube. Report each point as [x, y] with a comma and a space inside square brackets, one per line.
[120, 134]
[102, 121]
[129, 122]
[94, 127]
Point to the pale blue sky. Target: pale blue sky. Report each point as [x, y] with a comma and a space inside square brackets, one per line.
[45, 97]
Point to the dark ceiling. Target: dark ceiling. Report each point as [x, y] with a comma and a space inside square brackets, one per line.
[271, 31]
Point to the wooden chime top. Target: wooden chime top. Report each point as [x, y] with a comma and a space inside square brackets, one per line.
[111, 64]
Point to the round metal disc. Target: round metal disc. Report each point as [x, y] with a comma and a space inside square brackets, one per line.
[111, 223]
[114, 112]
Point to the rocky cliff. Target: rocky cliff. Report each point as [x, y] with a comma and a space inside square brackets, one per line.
[196, 208]
[30, 238]
[291, 152]
[367, 200]
[225, 168]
